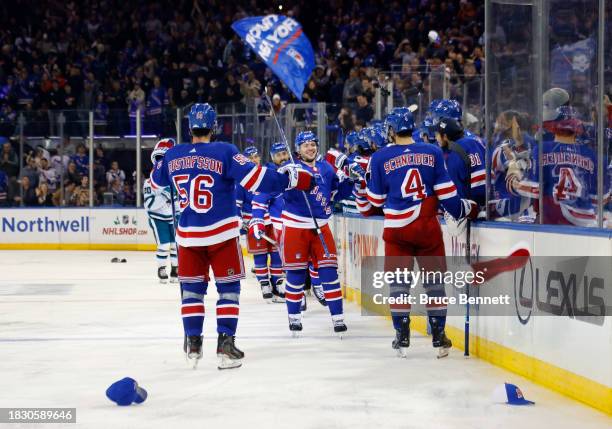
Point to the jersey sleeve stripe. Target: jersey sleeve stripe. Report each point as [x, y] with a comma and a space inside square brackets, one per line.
[252, 180]
[445, 190]
[375, 199]
[207, 233]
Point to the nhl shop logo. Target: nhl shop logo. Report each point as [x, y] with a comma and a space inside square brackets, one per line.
[230, 272]
[199, 115]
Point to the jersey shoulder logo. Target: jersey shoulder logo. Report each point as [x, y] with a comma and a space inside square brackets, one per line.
[241, 159]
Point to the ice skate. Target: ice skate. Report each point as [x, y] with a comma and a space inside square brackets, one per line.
[319, 294]
[279, 291]
[162, 275]
[402, 338]
[266, 291]
[174, 274]
[339, 326]
[229, 355]
[443, 344]
[295, 325]
[192, 346]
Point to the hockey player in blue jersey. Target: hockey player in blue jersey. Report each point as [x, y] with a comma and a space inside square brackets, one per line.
[569, 174]
[465, 160]
[259, 249]
[266, 221]
[514, 170]
[300, 242]
[158, 204]
[408, 180]
[204, 175]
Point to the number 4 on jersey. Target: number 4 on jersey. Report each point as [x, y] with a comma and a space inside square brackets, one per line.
[197, 196]
[568, 187]
[412, 185]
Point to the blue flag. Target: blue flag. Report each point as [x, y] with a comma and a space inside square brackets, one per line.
[280, 42]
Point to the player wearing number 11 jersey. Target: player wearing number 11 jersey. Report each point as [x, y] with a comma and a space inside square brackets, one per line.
[408, 180]
[204, 175]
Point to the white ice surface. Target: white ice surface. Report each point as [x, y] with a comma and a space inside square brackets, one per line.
[71, 323]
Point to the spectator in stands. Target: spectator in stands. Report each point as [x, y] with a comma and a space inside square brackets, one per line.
[364, 112]
[115, 173]
[352, 87]
[81, 159]
[9, 161]
[28, 192]
[117, 190]
[31, 170]
[44, 197]
[129, 196]
[80, 194]
[4, 188]
[47, 175]
[136, 102]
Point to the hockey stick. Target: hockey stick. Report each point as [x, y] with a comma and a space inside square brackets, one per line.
[269, 240]
[468, 245]
[284, 137]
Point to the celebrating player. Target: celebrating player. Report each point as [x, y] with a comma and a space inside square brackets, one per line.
[465, 160]
[267, 223]
[204, 175]
[300, 241]
[408, 180]
[256, 247]
[158, 204]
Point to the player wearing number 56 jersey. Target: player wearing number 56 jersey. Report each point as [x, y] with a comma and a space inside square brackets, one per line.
[204, 175]
[408, 180]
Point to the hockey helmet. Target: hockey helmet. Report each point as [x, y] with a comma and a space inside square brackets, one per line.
[202, 116]
[278, 147]
[160, 149]
[448, 109]
[250, 151]
[400, 120]
[305, 136]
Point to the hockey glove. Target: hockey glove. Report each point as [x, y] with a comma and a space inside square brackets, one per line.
[299, 178]
[470, 209]
[257, 228]
[336, 158]
[356, 172]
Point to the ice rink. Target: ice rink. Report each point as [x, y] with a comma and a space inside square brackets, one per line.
[72, 323]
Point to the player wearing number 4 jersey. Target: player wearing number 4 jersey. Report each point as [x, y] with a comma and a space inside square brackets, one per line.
[408, 180]
[204, 175]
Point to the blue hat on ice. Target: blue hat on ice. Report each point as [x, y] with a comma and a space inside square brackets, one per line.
[126, 392]
[510, 394]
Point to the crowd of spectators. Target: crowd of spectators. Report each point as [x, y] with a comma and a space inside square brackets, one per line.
[50, 179]
[116, 58]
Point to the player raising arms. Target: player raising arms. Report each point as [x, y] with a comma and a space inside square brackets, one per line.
[300, 241]
[204, 175]
[408, 180]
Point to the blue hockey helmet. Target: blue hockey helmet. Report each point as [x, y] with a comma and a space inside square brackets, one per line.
[305, 136]
[400, 120]
[356, 140]
[448, 109]
[374, 135]
[202, 116]
[250, 151]
[278, 147]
